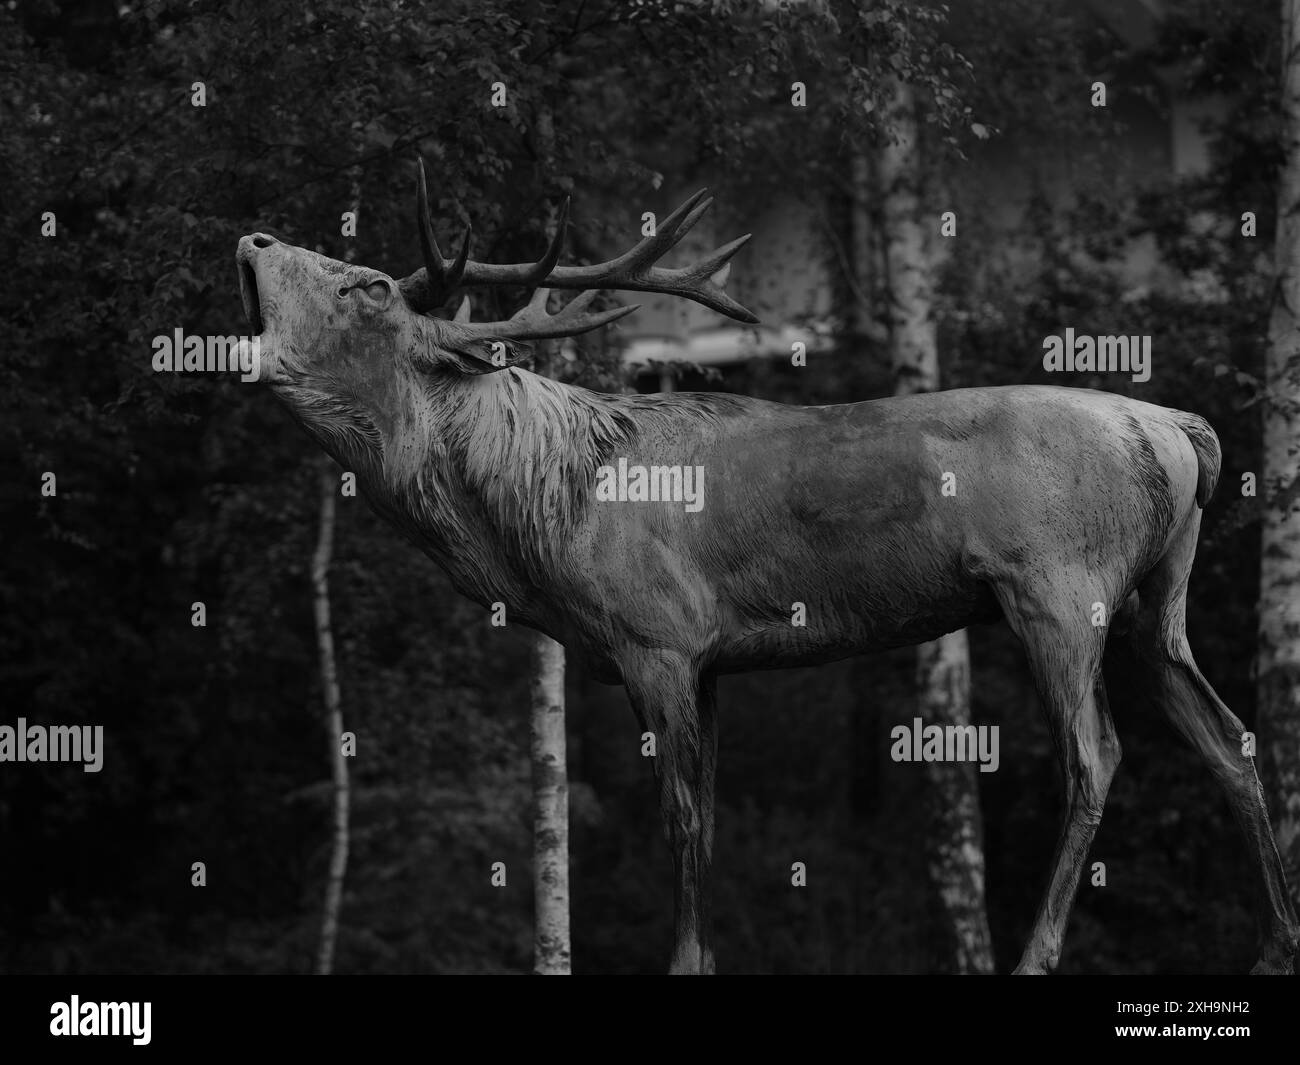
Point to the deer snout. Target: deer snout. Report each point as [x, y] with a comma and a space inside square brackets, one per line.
[254, 242]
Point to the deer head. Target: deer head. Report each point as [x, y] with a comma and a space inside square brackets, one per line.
[358, 355]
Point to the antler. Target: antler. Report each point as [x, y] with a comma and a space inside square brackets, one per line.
[531, 322]
[443, 275]
[633, 271]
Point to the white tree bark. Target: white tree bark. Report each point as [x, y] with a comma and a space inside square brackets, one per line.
[320, 566]
[551, 811]
[955, 853]
[551, 947]
[1279, 580]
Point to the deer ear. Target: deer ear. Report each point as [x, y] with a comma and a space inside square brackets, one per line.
[488, 356]
[470, 355]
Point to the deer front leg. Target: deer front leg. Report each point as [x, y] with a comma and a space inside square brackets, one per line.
[663, 689]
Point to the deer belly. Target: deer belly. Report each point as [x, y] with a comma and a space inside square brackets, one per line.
[846, 621]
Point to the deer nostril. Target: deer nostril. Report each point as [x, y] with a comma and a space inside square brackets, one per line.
[261, 240]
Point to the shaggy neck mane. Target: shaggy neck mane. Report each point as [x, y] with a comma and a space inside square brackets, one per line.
[514, 450]
[493, 474]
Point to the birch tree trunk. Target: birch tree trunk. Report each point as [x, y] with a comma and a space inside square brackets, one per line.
[551, 950]
[954, 846]
[320, 567]
[1279, 579]
[550, 811]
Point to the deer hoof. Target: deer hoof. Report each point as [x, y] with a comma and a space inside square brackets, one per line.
[1272, 968]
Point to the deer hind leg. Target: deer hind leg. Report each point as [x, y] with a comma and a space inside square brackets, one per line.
[1064, 650]
[707, 705]
[1164, 658]
[668, 697]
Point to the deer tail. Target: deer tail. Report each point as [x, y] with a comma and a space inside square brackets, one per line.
[1208, 454]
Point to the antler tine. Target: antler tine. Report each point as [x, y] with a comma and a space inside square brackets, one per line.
[531, 322]
[633, 271]
[442, 275]
[702, 281]
[666, 235]
[547, 262]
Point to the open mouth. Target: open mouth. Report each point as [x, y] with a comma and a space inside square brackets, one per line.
[248, 293]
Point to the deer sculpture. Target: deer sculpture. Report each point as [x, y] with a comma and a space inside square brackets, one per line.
[1065, 499]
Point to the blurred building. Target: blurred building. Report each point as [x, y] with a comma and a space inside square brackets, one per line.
[795, 264]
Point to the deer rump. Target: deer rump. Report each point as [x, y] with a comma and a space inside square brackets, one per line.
[832, 531]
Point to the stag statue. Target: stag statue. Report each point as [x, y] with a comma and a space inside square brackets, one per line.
[1068, 502]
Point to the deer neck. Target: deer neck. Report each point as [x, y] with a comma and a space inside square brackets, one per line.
[491, 476]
